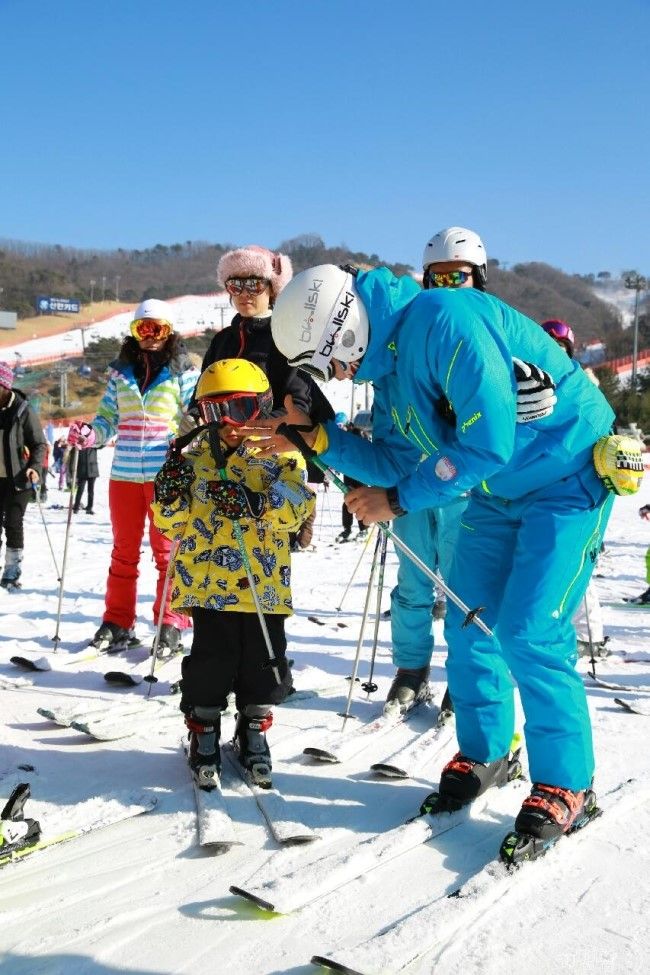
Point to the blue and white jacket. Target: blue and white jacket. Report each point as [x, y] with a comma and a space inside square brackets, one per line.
[144, 422]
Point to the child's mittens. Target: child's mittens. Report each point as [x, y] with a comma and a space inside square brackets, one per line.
[173, 480]
[233, 500]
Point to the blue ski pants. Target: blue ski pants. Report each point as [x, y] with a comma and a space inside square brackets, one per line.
[432, 535]
[528, 562]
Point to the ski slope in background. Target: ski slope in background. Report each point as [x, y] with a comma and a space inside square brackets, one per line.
[141, 898]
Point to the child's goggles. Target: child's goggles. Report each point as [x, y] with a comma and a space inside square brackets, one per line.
[254, 286]
[150, 328]
[235, 408]
[448, 279]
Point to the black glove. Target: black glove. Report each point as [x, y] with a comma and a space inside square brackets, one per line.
[173, 480]
[233, 500]
[535, 391]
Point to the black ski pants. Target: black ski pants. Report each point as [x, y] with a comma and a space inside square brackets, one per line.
[12, 512]
[229, 654]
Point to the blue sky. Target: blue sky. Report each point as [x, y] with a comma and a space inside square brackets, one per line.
[134, 122]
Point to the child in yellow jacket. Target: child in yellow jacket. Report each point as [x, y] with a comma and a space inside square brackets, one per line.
[230, 514]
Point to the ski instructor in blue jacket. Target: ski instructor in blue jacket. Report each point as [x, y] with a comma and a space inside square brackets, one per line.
[533, 526]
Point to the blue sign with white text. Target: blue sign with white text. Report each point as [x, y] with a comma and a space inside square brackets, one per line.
[45, 305]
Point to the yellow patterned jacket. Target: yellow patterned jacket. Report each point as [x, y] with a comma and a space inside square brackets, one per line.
[208, 569]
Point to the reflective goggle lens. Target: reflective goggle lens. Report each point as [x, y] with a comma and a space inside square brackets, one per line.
[254, 286]
[559, 330]
[235, 409]
[150, 328]
[448, 279]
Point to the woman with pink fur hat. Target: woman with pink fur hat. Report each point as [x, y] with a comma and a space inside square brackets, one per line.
[254, 276]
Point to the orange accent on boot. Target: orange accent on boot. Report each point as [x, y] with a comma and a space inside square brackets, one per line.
[459, 764]
[564, 812]
[266, 721]
[192, 724]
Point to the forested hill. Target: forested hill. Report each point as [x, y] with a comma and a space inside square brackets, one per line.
[28, 270]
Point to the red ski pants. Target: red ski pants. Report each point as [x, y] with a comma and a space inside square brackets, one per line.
[130, 506]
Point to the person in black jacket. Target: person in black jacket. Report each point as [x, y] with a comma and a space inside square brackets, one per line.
[87, 473]
[22, 452]
[253, 277]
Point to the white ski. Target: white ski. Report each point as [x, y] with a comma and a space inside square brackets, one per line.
[346, 744]
[121, 812]
[412, 937]
[107, 728]
[405, 762]
[272, 804]
[215, 827]
[612, 686]
[65, 714]
[314, 880]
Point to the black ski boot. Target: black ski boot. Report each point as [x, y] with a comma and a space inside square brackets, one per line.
[204, 725]
[250, 740]
[112, 637]
[464, 780]
[643, 599]
[547, 814]
[409, 687]
[343, 536]
[16, 832]
[170, 640]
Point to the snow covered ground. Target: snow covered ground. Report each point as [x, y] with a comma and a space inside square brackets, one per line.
[141, 897]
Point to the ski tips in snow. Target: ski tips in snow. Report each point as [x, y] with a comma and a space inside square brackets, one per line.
[252, 899]
[31, 663]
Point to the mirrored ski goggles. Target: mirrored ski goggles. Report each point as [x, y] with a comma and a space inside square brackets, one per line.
[448, 279]
[254, 286]
[559, 330]
[236, 408]
[150, 328]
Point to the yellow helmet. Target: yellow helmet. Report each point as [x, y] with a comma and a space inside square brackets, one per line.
[241, 382]
[231, 376]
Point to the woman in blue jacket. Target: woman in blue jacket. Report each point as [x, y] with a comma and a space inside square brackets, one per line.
[533, 525]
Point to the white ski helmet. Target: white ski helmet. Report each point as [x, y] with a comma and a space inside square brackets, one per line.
[457, 244]
[154, 308]
[318, 317]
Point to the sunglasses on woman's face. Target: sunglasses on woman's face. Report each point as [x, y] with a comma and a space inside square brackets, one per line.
[254, 286]
[448, 279]
[150, 328]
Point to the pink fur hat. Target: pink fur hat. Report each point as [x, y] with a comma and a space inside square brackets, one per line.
[258, 262]
[6, 375]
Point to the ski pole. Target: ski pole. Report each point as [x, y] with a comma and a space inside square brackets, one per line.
[357, 656]
[320, 520]
[592, 655]
[354, 572]
[56, 639]
[471, 615]
[369, 686]
[217, 454]
[36, 490]
[173, 552]
[329, 511]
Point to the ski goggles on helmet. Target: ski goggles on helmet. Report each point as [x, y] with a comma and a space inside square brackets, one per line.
[236, 409]
[254, 286]
[448, 279]
[150, 328]
[559, 330]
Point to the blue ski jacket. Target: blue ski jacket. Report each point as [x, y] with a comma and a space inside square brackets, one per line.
[431, 350]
